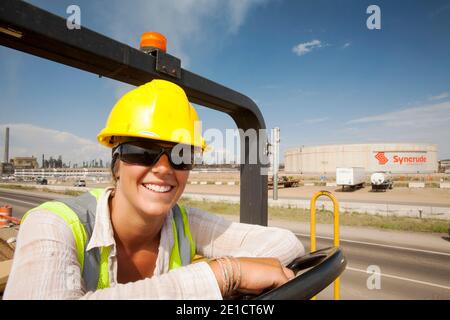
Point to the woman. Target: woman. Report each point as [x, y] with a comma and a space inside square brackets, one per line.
[132, 241]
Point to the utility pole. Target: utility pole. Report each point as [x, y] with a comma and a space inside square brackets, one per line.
[6, 154]
[275, 137]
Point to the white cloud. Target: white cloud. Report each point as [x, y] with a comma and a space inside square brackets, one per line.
[346, 45]
[190, 26]
[424, 116]
[441, 96]
[316, 120]
[187, 24]
[237, 11]
[425, 124]
[30, 140]
[306, 47]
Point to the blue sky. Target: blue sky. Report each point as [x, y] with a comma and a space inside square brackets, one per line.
[343, 84]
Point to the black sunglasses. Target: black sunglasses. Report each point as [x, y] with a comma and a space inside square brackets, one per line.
[181, 157]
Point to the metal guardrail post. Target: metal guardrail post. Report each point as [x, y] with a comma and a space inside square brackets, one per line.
[336, 230]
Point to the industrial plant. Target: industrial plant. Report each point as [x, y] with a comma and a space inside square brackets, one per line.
[28, 168]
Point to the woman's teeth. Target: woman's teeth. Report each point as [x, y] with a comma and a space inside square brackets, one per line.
[157, 188]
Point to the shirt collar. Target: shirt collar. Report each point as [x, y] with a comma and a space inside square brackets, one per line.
[102, 234]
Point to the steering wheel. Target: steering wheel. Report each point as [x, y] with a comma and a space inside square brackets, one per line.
[326, 265]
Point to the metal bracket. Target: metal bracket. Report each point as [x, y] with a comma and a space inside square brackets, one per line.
[165, 63]
[168, 64]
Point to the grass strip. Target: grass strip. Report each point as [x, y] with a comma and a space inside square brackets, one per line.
[44, 189]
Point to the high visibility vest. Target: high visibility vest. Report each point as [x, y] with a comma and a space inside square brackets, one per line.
[79, 213]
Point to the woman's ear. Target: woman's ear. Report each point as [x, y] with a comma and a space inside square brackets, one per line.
[115, 167]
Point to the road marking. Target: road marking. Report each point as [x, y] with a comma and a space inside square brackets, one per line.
[402, 278]
[16, 200]
[379, 245]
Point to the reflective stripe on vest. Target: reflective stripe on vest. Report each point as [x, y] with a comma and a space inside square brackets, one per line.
[183, 250]
[79, 214]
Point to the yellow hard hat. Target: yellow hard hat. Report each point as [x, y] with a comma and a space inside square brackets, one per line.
[158, 110]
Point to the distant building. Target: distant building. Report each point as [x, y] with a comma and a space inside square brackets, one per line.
[52, 163]
[25, 163]
[6, 168]
[64, 173]
[444, 165]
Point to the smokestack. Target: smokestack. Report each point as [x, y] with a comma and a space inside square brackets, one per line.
[42, 161]
[6, 155]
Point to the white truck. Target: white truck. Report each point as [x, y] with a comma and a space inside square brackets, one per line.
[350, 177]
[381, 181]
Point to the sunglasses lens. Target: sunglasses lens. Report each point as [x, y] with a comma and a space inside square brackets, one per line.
[137, 155]
[148, 155]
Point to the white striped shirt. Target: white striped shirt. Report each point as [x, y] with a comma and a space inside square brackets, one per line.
[46, 266]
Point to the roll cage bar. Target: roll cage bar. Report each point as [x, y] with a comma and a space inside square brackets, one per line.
[30, 29]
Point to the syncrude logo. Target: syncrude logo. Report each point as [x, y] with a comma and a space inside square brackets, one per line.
[410, 160]
[381, 158]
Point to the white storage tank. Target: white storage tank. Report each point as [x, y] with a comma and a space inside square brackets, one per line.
[373, 157]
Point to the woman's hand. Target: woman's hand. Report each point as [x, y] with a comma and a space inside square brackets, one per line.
[251, 275]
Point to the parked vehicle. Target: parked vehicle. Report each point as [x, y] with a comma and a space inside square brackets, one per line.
[41, 180]
[381, 181]
[80, 183]
[287, 182]
[351, 177]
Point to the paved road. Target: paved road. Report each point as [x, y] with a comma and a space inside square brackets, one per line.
[408, 271]
[405, 274]
[23, 201]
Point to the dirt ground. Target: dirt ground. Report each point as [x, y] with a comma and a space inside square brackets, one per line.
[397, 195]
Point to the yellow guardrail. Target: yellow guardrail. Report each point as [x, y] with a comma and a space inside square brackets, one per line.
[336, 229]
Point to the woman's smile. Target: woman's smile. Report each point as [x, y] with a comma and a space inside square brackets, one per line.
[158, 188]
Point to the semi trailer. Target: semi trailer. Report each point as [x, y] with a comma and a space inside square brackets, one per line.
[350, 177]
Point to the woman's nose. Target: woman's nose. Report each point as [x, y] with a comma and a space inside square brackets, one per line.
[162, 165]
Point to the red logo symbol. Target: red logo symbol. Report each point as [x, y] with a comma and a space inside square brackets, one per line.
[381, 158]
